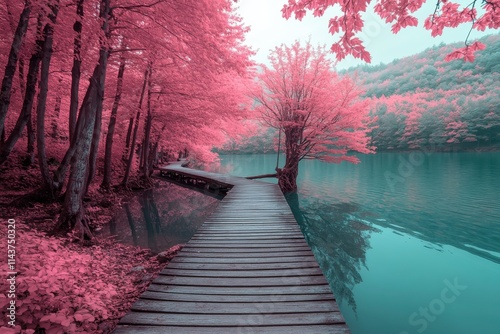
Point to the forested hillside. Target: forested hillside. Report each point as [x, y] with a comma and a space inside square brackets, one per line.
[425, 101]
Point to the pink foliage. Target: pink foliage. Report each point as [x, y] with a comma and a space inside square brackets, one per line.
[303, 96]
[448, 14]
[466, 53]
[60, 290]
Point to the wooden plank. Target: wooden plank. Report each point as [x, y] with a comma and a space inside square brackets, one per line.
[146, 305]
[228, 244]
[242, 260]
[242, 266]
[241, 281]
[266, 319]
[254, 291]
[292, 329]
[241, 273]
[213, 248]
[191, 297]
[247, 254]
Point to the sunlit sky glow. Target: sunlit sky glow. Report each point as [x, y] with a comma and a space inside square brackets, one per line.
[269, 29]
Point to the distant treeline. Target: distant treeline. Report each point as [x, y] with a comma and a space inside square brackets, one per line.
[423, 101]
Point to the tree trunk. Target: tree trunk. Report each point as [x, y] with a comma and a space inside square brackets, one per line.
[136, 127]
[147, 134]
[103, 59]
[76, 69]
[129, 137]
[106, 181]
[30, 154]
[96, 138]
[55, 119]
[73, 210]
[72, 213]
[25, 115]
[287, 177]
[139, 154]
[48, 32]
[10, 68]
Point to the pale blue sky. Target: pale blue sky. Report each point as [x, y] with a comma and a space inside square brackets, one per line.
[270, 29]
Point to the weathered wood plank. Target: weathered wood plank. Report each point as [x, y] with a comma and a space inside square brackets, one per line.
[205, 248]
[241, 281]
[191, 297]
[242, 260]
[241, 273]
[255, 244]
[295, 329]
[283, 307]
[273, 291]
[193, 253]
[266, 319]
[242, 266]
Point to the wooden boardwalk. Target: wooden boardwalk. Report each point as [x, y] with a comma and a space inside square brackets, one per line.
[248, 269]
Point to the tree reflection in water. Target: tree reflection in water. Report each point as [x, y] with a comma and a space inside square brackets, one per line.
[162, 217]
[339, 239]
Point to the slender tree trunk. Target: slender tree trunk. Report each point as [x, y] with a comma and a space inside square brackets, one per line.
[73, 210]
[94, 148]
[106, 181]
[139, 154]
[129, 137]
[48, 33]
[136, 127]
[147, 133]
[10, 68]
[30, 156]
[76, 69]
[29, 96]
[55, 119]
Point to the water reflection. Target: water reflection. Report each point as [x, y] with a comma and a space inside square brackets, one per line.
[338, 239]
[162, 217]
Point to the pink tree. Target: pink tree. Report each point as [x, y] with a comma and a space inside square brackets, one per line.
[319, 113]
[447, 14]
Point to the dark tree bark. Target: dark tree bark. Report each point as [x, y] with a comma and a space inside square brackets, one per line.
[72, 214]
[136, 127]
[30, 154]
[147, 134]
[29, 96]
[48, 33]
[129, 137]
[73, 210]
[287, 176]
[76, 69]
[106, 181]
[55, 119]
[10, 68]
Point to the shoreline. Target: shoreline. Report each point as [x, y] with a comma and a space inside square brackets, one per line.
[62, 284]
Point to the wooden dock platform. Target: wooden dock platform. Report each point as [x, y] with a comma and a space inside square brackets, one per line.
[248, 269]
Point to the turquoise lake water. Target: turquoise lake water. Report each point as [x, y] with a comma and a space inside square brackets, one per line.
[409, 242]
